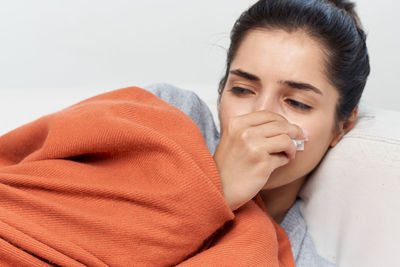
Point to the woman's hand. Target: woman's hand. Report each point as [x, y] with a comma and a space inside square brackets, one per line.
[251, 147]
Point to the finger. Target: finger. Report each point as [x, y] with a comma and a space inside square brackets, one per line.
[280, 143]
[279, 159]
[277, 128]
[255, 119]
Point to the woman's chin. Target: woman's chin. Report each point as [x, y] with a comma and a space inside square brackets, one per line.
[283, 176]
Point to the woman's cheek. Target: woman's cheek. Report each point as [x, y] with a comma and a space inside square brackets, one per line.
[308, 158]
[315, 148]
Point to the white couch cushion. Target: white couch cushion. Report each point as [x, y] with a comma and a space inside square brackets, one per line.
[352, 200]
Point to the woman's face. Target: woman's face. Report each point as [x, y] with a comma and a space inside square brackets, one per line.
[284, 73]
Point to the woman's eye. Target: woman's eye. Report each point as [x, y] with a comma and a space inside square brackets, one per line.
[241, 91]
[299, 105]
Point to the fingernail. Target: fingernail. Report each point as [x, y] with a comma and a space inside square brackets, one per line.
[305, 134]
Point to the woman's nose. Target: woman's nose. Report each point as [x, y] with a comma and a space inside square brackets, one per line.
[267, 102]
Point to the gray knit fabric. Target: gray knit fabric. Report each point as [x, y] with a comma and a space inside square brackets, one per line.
[303, 249]
[191, 105]
[294, 224]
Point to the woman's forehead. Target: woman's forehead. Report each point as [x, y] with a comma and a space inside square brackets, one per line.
[276, 55]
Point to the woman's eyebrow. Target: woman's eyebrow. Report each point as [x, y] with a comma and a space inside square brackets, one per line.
[292, 84]
[302, 86]
[246, 75]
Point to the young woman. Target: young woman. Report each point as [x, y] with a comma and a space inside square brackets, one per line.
[295, 70]
[124, 179]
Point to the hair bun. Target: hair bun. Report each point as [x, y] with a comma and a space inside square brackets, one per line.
[344, 4]
[349, 7]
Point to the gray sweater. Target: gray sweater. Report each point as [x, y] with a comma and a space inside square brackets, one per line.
[294, 224]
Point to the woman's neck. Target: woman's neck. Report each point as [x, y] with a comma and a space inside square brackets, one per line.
[279, 200]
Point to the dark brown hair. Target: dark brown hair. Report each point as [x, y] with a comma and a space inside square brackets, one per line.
[334, 23]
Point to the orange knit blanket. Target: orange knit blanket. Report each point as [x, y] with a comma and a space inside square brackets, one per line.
[123, 179]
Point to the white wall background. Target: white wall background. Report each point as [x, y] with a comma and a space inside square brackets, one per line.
[54, 53]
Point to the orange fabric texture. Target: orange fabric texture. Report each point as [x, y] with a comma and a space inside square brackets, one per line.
[123, 179]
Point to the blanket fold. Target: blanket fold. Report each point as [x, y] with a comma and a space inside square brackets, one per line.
[123, 179]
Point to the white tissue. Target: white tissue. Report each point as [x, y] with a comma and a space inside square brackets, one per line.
[299, 144]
